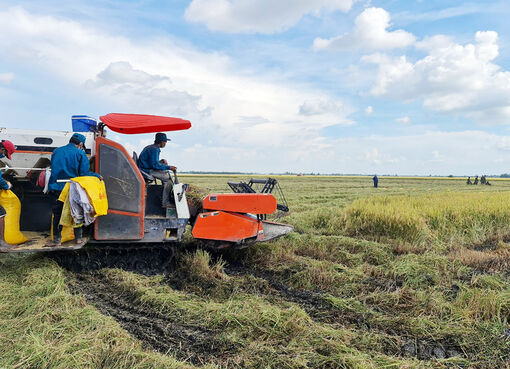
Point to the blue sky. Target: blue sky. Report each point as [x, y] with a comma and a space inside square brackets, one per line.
[343, 86]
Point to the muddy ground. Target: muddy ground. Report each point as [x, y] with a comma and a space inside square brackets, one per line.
[199, 346]
[156, 331]
[320, 310]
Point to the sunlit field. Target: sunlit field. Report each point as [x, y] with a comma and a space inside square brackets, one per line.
[413, 274]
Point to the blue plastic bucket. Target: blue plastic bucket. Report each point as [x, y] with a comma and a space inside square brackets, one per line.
[83, 123]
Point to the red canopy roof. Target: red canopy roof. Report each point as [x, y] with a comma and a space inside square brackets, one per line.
[139, 123]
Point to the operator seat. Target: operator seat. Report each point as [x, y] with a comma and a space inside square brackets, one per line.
[148, 178]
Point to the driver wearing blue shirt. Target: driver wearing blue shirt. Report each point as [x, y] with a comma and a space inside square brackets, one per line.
[149, 162]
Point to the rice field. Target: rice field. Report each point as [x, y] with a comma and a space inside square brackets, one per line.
[413, 274]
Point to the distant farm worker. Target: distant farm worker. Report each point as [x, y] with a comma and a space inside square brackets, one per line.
[469, 181]
[6, 150]
[67, 162]
[483, 179]
[149, 162]
[476, 180]
[376, 181]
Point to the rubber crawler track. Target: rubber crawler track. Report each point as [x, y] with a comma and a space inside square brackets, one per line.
[144, 259]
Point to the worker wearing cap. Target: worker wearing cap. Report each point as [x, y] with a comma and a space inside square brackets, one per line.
[149, 162]
[6, 150]
[67, 162]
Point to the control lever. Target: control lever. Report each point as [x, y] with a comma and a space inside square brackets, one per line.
[184, 187]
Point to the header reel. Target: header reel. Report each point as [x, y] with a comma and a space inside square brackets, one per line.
[261, 185]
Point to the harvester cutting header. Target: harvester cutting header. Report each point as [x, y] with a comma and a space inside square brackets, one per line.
[143, 209]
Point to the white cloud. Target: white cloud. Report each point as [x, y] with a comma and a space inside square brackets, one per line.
[424, 153]
[255, 123]
[437, 157]
[370, 33]
[452, 78]
[142, 91]
[6, 77]
[369, 110]
[236, 109]
[318, 107]
[327, 111]
[257, 16]
[374, 156]
[124, 73]
[403, 120]
[446, 13]
[434, 42]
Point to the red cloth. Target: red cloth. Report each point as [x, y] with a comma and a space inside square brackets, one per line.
[41, 180]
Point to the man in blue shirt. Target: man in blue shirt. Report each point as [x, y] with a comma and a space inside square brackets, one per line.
[67, 162]
[149, 162]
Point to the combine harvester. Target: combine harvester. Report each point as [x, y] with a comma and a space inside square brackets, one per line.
[137, 233]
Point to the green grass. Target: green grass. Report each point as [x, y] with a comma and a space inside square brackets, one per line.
[43, 326]
[269, 335]
[419, 262]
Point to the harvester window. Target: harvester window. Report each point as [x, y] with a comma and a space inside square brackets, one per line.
[43, 140]
[122, 183]
[125, 189]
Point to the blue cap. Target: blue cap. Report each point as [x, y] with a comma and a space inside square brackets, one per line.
[160, 137]
[78, 137]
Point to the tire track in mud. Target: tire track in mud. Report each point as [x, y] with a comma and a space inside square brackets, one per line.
[321, 311]
[156, 331]
[312, 302]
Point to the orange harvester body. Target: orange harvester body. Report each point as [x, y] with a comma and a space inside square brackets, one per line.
[234, 217]
[220, 225]
[253, 203]
[137, 221]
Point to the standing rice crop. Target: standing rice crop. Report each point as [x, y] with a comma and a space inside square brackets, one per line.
[443, 218]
